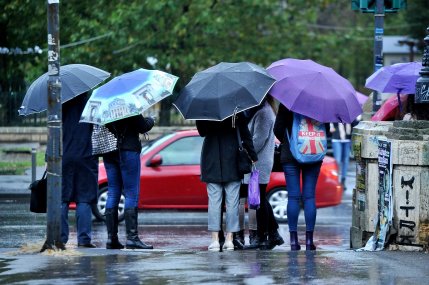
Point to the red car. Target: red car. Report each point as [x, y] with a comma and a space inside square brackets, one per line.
[170, 178]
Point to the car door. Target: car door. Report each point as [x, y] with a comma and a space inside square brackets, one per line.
[175, 183]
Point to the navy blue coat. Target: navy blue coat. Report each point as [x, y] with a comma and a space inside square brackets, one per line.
[80, 167]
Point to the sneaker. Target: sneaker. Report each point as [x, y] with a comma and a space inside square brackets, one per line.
[214, 246]
[228, 245]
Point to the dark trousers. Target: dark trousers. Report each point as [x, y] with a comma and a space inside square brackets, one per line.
[264, 215]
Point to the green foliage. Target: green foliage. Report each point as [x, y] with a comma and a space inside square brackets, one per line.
[187, 36]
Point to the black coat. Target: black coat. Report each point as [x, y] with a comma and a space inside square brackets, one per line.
[282, 124]
[79, 166]
[127, 131]
[219, 154]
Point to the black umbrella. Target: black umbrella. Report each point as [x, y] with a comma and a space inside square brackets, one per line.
[219, 91]
[75, 80]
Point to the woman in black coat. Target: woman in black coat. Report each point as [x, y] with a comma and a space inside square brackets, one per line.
[219, 170]
[123, 174]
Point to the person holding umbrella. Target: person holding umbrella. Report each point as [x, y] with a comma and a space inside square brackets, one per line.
[315, 94]
[123, 173]
[261, 123]
[80, 172]
[219, 170]
[119, 105]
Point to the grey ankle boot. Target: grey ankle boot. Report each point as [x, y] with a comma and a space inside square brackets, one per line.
[131, 225]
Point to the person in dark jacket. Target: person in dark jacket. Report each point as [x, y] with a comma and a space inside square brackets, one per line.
[80, 172]
[123, 175]
[293, 170]
[219, 170]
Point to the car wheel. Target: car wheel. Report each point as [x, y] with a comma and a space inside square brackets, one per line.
[278, 198]
[99, 209]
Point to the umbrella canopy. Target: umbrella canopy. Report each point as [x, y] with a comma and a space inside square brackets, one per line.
[390, 108]
[362, 98]
[127, 95]
[222, 90]
[75, 80]
[314, 90]
[398, 78]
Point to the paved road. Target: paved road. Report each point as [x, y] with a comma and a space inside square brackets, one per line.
[181, 257]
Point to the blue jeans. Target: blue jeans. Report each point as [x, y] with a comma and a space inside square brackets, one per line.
[342, 156]
[83, 222]
[123, 175]
[310, 173]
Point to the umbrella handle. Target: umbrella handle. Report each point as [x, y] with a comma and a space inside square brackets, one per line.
[399, 100]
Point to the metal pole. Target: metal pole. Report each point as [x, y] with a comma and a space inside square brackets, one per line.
[54, 145]
[378, 48]
[33, 164]
[422, 84]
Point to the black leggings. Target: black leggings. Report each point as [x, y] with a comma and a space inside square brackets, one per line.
[264, 215]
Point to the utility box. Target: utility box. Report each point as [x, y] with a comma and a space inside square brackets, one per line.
[365, 194]
[410, 185]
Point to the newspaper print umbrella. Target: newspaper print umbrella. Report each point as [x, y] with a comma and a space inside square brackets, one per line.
[127, 95]
[223, 90]
[75, 80]
[314, 90]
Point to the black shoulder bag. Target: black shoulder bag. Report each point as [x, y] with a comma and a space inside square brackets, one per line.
[38, 195]
[244, 161]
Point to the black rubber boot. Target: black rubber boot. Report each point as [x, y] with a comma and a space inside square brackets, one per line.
[253, 239]
[294, 244]
[309, 245]
[112, 229]
[133, 240]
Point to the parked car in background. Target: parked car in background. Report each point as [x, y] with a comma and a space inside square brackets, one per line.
[170, 178]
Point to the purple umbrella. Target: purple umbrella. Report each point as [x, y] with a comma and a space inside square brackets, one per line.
[314, 90]
[398, 78]
[362, 98]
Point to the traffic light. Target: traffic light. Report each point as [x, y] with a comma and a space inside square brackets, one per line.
[369, 6]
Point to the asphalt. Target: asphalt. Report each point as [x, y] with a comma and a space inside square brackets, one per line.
[181, 257]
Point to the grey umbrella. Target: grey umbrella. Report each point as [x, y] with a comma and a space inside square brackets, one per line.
[219, 91]
[75, 80]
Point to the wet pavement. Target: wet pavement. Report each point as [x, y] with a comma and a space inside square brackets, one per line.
[180, 256]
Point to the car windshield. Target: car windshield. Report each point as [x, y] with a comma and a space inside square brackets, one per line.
[154, 143]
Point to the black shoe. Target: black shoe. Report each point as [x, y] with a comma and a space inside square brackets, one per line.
[238, 244]
[254, 241]
[87, 245]
[275, 238]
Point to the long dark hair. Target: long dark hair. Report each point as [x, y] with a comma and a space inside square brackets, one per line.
[418, 111]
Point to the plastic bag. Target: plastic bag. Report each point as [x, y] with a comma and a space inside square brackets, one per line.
[253, 198]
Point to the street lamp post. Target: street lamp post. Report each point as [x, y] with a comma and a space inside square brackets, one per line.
[422, 85]
[54, 123]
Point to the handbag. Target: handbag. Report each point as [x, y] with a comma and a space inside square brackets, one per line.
[244, 161]
[254, 198]
[38, 195]
[103, 141]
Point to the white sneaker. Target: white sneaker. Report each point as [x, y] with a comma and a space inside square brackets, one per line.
[214, 246]
[228, 245]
